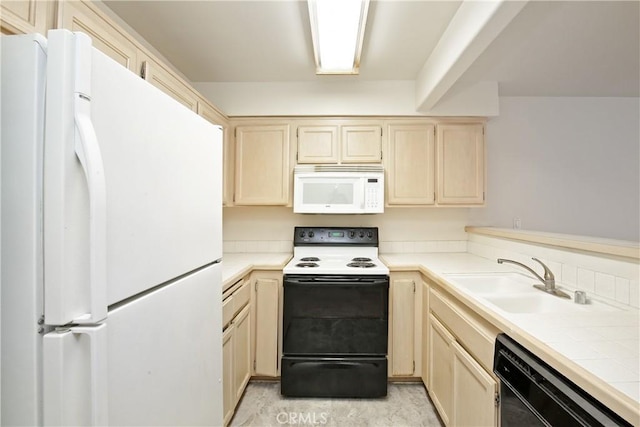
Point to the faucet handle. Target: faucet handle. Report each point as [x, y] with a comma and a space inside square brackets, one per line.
[548, 275]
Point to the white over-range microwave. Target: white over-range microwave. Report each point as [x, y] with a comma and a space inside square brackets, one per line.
[338, 189]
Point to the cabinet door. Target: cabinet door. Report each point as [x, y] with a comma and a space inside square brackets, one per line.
[162, 78]
[440, 372]
[410, 165]
[228, 395]
[26, 16]
[402, 327]
[241, 352]
[361, 144]
[474, 392]
[262, 175]
[106, 36]
[266, 325]
[317, 144]
[425, 333]
[460, 164]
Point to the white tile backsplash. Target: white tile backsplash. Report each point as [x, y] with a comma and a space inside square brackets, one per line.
[424, 246]
[260, 246]
[586, 280]
[610, 278]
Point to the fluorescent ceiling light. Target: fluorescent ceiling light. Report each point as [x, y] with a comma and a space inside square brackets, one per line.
[337, 30]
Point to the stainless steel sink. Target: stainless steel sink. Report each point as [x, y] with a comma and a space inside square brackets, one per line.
[542, 303]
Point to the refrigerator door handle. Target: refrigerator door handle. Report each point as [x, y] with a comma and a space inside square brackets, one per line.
[65, 382]
[88, 151]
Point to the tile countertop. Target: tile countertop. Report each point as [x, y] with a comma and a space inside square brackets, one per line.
[600, 351]
[237, 265]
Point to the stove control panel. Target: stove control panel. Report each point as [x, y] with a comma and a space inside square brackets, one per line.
[336, 236]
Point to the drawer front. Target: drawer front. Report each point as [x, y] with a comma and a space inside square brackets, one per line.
[475, 335]
[227, 311]
[241, 297]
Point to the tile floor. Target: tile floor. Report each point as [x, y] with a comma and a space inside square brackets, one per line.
[406, 404]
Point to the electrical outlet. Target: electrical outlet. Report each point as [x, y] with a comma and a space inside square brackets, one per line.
[517, 223]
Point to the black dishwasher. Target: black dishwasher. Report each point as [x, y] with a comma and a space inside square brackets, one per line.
[534, 394]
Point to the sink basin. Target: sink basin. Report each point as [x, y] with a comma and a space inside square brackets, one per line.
[541, 303]
[492, 283]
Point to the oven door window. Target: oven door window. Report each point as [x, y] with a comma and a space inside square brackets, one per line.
[325, 318]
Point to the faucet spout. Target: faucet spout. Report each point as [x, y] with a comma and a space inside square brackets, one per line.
[549, 280]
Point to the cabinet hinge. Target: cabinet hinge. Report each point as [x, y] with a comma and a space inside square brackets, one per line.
[255, 286]
[380, 131]
[254, 365]
[496, 398]
[297, 133]
[414, 289]
[297, 156]
[414, 367]
[143, 70]
[483, 196]
[381, 155]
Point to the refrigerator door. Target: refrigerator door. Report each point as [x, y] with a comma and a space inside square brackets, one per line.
[155, 361]
[133, 194]
[22, 117]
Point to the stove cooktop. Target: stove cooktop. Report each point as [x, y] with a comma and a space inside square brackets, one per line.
[336, 250]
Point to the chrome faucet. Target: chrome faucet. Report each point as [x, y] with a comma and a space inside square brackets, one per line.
[549, 279]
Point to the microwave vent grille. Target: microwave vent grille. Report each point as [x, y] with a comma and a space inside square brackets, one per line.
[339, 168]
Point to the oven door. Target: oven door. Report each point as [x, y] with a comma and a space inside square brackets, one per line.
[335, 316]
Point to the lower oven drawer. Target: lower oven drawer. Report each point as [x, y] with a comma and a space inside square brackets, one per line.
[334, 377]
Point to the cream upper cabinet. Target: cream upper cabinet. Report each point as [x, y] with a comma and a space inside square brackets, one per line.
[409, 164]
[474, 392]
[27, 16]
[267, 315]
[460, 164]
[317, 144]
[165, 80]
[105, 35]
[405, 325]
[361, 143]
[339, 142]
[262, 171]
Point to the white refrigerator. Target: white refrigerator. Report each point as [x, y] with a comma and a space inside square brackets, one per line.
[111, 221]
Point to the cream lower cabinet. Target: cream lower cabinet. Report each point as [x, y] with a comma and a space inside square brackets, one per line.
[262, 165]
[267, 306]
[236, 345]
[410, 164]
[440, 380]
[460, 357]
[424, 341]
[460, 166]
[474, 391]
[405, 325]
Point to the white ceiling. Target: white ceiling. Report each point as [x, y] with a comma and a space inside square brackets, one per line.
[557, 48]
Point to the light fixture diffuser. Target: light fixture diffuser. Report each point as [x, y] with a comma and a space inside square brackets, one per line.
[337, 30]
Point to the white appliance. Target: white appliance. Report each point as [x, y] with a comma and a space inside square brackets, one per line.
[335, 251]
[111, 244]
[338, 189]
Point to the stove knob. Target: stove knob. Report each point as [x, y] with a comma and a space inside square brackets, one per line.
[311, 233]
[352, 234]
[302, 233]
[361, 234]
[370, 234]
